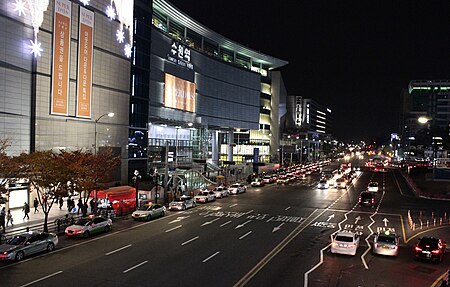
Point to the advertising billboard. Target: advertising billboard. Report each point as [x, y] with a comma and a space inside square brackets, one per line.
[179, 94]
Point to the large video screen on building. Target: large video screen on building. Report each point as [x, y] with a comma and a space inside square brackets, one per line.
[179, 94]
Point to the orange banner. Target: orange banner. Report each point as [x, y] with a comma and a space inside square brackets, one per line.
[61, 57]
[179, 94]
[85, 48]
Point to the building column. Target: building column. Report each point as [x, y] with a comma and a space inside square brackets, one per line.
[215, 147]
[230, 145]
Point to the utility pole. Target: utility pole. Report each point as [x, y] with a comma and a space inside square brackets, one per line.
[166, 172]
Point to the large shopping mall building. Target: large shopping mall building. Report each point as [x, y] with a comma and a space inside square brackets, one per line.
[179, 92]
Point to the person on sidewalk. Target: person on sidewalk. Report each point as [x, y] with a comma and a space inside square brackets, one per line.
[36, 204]
[80, 206]
[26, 210]
[9, 218]
[2, 219]
[61, 202]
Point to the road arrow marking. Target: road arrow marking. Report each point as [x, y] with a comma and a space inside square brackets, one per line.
[209, 222]
[277, 227]
[242, 225]
[385, 220]
[178, 219]
[329, 217]
[357, 219]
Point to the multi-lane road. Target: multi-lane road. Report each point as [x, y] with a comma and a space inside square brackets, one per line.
[269, 236]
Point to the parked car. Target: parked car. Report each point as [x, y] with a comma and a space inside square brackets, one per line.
[149, 211]
[366, 199]
[220, 191]
[87, 226]
[236, 188]
[345, 242]
[257, 182]
[430, 248]
[268, 179]
[182, 203]
[205, 196]
[25, 244]
[386, 243]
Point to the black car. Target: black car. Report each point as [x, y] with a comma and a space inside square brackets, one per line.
[366, 199]
[430, 248]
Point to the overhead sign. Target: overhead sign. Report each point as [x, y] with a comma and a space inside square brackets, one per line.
[180, 55]
[179, 94]
[61, 57]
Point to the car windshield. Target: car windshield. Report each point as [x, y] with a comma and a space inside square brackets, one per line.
[373, 184]
[234, 185]
[323, 181]
[386, 239]
[17, 240]
[144, 207]
[180, 199]
[344, 238]
[82, 221]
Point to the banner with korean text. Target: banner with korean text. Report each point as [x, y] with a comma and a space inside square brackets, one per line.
[85, 50]
[179, 94]
[61, 57]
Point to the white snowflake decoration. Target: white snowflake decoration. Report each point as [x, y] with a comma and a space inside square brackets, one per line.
[120, 36]
[127, 50]
[20, 7]
[85, 2]
[35, 48]
[110, 12]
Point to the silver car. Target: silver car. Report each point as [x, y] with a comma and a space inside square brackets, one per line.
[19, 246]
[386, 243]
[221, 192]
[181, 203]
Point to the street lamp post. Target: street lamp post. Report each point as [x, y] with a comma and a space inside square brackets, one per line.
[95, 128]
[136, 179]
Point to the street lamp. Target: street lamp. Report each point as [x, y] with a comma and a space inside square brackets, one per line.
[95, 128]
[136, 179]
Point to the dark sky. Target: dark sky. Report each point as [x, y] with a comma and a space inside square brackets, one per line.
[351, 56]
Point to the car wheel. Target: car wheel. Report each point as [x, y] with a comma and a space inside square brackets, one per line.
[162, 213]
[19, 256]
[149, 217]
[194, 204]
[107, 228]
[50, 247]
[183, 207]
[86, 234]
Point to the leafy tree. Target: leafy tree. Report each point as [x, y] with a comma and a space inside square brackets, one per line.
[48, 175]
[7, 168]
[89, 172]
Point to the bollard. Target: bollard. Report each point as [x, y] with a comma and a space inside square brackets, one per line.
[420, 216]
[434, 222]
[432, 215]
[440, 221]
[414, 226]
[428, 223]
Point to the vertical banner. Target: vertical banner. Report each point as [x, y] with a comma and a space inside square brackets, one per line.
[85, 50]
[61, 57]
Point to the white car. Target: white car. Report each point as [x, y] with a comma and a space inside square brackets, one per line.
[345, 242]
[257, 182]
[182, 203]
[386, 243]
[340, 183]
[87, 226]
[205, 196]
[149, 211]
[323, 184]
[372, 187]
[220, 192]
[267, 179]
[236, 188]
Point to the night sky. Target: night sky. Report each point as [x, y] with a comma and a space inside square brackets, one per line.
[353, 57]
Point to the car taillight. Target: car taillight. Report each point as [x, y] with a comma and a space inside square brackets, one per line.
[373, 200]
[418, 249]
[437, 251]
[376, 245]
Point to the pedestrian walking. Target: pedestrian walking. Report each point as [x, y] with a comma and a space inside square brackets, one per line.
[9, 218]
[36, 204]
[2, 219]
[26, 210]
[61, 202]
[80, 205]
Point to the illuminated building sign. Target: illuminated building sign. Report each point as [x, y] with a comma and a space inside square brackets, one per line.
[85, 50]
[298, 111]
[180, 55]
[61, 57]
[179, 94]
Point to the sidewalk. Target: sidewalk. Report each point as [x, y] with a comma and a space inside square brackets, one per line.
[423, 186]
[35, 218]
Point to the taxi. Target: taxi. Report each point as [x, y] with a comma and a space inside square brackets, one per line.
[386, 243]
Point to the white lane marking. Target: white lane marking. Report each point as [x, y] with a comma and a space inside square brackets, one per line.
[117, 250]
[245, 235]
[209, 222]
[176, 227]
[179, 218]
[223, 224]
[233, 205]
[204, 260]
[40, 279]
[136, 266]
[287, 208]
[317, 265]
[241, 225]
[190, 240]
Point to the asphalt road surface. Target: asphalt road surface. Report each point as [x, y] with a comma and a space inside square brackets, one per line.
[270, 236]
